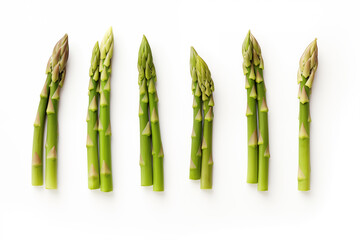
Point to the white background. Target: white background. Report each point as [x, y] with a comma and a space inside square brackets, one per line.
[233, 209]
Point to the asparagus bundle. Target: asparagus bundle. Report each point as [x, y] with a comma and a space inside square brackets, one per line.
[99, 168]
[306, 73]
[202, 86]
[258, 145]
[49, 99]
[92, 121]
[151, 174]
[104, 127]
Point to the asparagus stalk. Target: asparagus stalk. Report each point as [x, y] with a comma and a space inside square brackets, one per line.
[306, 73]
[92, 121]
[196, 136]
[58, 64]
[263, 141]
[157, 151]
[249, 72]
[145, 132]
[39, 127]
[104, 127]
[207, 87]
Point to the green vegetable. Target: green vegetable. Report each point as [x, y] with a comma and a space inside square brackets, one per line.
[258, 145]
[104, 127]
[145, 131]
[250, 86]
[58, 64]
[39, 127]
[92, 121]
[207, 87]
[196, 136]
[147, 73]
[306, 73]
[201, 162]
[263, 140]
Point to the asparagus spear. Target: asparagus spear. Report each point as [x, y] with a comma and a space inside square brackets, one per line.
[157, 151]
[207, 87]
[249, 71]
[196, 136]
[92, 121]
[263, 142]
[58, 64]
[308, 65]
[104, 127]
[145, 132]
[39, 127]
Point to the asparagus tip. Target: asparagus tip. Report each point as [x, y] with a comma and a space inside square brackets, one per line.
[246, 49]
[193, 56]
[48, 66]
[107, 40]
[59, 57]
[309, 61]
[144, 41]
[255, 44]
[108, 33]
[204, 77]
[95, 58]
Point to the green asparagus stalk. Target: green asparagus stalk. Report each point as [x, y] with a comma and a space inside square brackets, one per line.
[263, 142]
[250, 85]
[92, 121]
[58, 64]
[157, 151]
[39, 127]
[145, 132]
[207, 87]
[196, 136]
[104, 127]
[306, 73]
